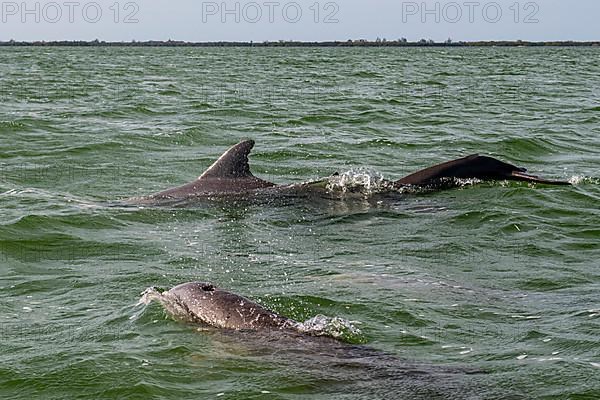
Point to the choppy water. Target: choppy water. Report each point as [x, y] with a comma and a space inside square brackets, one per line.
[498, 277]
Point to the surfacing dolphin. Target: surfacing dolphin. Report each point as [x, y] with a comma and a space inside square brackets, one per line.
[269, 337]
[230, 176]
[204, 303]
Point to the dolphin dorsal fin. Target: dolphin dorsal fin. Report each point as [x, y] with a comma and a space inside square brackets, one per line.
[232, 164]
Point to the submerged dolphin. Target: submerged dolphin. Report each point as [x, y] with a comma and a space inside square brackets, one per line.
[230, 175]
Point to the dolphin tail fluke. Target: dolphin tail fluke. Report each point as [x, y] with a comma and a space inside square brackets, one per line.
[472, 167]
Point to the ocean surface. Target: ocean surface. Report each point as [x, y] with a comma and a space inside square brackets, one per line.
[487, 291]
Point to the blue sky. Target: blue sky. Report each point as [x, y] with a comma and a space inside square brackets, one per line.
[300, 20]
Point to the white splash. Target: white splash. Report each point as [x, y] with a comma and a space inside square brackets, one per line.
[578, 179]
[150, 294]
[357, 180]
[335, 327]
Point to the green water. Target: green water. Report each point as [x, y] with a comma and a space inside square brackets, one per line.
[500, 277]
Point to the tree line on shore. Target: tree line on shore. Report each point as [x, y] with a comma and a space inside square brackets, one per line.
[285, 43]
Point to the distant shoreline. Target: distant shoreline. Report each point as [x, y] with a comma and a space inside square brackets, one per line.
[348, 43]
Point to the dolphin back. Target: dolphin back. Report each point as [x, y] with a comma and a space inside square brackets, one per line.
[229, 174]
[472, 167]
[205, 303]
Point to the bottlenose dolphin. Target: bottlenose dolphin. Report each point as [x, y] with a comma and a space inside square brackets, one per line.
[253, 329]
[230, 176]
[204, 303]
